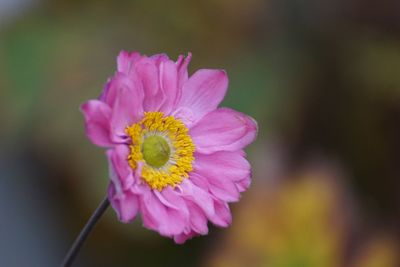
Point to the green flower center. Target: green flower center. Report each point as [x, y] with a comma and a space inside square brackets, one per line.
[156, 151]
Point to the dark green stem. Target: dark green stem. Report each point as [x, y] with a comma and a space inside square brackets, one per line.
[76, 246]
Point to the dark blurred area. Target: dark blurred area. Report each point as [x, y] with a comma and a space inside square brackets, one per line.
[321, 77]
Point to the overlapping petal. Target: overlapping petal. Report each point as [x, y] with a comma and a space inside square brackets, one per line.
[126, 205]
[97, 115]
[168, 73]
[127, 107]
[223, 129]
[121, 173]
[231, 166]
[165, 219]
[126, 60]
[148, 73]
[201, 94]
[182, 65]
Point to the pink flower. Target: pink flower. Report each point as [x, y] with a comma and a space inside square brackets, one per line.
[175, 157]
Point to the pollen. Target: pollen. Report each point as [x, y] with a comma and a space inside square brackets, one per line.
[164, 146]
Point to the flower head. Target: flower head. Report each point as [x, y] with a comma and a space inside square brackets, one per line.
[174, 156]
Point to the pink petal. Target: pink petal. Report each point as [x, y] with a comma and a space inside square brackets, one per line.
[182, 238]
[222, 171]
[224, 164]
[199, 181]
[177, 203]
[125, 205]
[147, 71]
[151, 209]
[144, 201]
[108, 96]
[223, 216]
[198, 220]
[121, 173]
[185, 115]
[169, 85]
[244, 184]
[164, 201]
[125, 61]
[182, 64]
[159, 217]
[222, 188]
[158, 58]
[203, 92]
[198, 195]
[173, 200]
[128, 104]
[97, 122]
[223, 129]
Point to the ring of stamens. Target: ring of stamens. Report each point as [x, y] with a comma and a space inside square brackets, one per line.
[165, 148]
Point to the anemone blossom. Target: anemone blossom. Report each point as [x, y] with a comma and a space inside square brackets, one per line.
[174, 157]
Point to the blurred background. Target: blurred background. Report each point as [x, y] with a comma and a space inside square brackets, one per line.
[322, 78]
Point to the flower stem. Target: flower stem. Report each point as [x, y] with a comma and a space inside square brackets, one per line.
[76, 246]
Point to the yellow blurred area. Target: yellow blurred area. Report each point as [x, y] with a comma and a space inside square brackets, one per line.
[300, 223]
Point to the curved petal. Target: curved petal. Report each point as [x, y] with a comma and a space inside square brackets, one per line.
[125, 205]
[176, 202]
[222, 216]
[169, 85]
[144, 205]
[128, 107]
[182, 238]
[198, 195]
[223, 164]
[160, 58]
[106, 95]
[121, 173]
[223, 129]
[221, 188]
[182, 65]
[220, 172]
[224, 190]
[125, 67]
[97, 122]
[198, 220]
[175, 199]
[203, 92]
[157, 216]
[244, 184]
[159, 76]
[125, 61]
[147, 71]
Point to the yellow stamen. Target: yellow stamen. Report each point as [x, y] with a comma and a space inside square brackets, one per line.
[149, 137]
